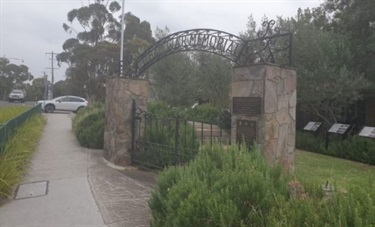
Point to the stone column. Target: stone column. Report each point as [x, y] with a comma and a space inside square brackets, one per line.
[120, 94]
[275, 126]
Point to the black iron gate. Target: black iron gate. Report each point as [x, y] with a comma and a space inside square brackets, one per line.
[159, 142]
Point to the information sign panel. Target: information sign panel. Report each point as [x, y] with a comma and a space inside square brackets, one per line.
[312, 126]
[339, 128]
[368, 132]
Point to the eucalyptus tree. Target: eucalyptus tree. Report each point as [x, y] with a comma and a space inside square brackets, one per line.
[93, 54]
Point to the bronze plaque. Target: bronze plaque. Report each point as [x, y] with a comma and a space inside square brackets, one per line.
[247, 105]
[246, 132]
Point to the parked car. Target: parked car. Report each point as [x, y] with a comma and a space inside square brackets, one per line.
[17, 95]
[66, 103]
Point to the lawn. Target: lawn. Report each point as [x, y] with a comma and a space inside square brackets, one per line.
[7, 113]
[318, 169]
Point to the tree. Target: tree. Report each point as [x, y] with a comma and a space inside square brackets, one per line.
[12, 76]
[35, 90]
[183, 78]
[61, 88]
[214, 77]
[91, 56]
[356, 20]
[327, 85]
[94, 53]
[173, 80]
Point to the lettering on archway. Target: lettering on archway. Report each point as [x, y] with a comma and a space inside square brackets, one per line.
[270, 46]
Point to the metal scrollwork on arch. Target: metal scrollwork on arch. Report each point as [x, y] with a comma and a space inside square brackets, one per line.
[269, 46]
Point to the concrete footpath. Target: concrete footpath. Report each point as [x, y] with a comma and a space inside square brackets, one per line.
[68, 185]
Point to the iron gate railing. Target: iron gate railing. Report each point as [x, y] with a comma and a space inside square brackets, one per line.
[161, 142]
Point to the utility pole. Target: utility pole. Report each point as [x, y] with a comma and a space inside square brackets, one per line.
[52, 71]
[122, 39]
[45, 81]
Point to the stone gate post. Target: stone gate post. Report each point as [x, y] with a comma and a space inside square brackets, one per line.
[120, 93]
[264, 110]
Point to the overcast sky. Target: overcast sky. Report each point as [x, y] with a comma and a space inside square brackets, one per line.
[30, 28]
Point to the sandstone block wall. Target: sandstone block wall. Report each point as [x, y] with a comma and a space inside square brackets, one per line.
[276, 124]
[118, 117]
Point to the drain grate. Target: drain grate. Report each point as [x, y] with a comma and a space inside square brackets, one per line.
[31, 190]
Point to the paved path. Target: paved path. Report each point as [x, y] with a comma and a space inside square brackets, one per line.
[80, 188]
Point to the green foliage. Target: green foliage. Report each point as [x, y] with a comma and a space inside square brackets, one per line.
[35, 91]
[207, 113]
[18, 152]
[12, 76]
[234, 187]
[88, 126]
[327, 86]
[183, 78]
[221, 187]
[354, 148]
[92, 55]
[355, 20]
[308, 142]
[354, 207]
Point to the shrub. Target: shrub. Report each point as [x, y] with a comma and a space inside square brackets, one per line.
[355, 148]
[234, 187]
[221, 187]
[88, 126]
[308, 142]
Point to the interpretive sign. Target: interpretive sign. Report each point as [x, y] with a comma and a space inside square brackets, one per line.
[367, 132]
[247, 105]
[246, 132]
[339, 128]
[312, 126]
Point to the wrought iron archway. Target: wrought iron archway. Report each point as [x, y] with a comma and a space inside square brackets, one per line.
[269, 46]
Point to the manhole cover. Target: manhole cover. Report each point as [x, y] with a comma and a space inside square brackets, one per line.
[31, 190]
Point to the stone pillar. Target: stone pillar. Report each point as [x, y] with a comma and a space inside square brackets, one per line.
[120, 93]
[273, 89]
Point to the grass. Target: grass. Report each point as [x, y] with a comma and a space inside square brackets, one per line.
[18, 152]
[318, 169]
[7, 113]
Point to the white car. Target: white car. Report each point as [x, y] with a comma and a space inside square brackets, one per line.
[65, 103]
[17, 95]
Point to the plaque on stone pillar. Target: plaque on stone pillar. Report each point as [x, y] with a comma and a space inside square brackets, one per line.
[246, 132]
[251, 106]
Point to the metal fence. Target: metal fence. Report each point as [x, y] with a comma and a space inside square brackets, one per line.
[161, 142]
[10, 127]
